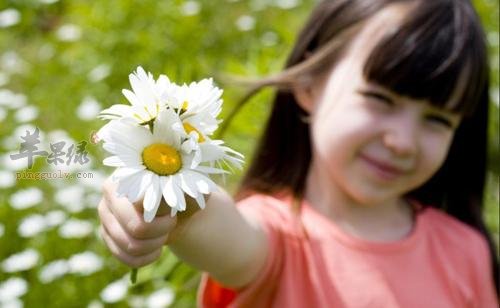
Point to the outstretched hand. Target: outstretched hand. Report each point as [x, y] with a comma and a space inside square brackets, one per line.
[129, 238]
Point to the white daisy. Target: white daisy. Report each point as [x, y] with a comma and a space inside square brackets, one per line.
[198, 105]
[85, 263]
[153, 164]
[147, 98]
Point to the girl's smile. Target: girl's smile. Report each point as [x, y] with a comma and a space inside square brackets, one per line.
[386, 171]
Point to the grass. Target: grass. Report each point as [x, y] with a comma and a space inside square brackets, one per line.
[55, 72]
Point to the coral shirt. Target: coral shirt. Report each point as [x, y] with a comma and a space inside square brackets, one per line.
[441, 263]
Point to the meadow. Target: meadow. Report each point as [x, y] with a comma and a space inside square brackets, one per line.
[61, 62]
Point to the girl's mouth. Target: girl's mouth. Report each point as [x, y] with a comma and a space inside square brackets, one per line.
[383, 170]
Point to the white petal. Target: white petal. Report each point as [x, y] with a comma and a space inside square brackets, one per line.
[132, 98]
[196, 159]
[180, 194]
[113, 161]
[188, 186]
[116, 111]
[168, 191]
[127, 187]
[173, 212]
[210, 170]
[163, 128]
[152, 199]
[126, 172]
[203, 183]
[200, 199]
[173, 193]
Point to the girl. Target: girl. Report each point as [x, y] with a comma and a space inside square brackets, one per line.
[367, 185]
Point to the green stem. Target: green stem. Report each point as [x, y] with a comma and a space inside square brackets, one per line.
[133, 275]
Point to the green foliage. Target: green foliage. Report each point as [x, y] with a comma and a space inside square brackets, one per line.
[110, 39]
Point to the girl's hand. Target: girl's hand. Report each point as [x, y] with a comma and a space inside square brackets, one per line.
[130, 239]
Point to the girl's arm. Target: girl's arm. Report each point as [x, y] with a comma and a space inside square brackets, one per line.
[221, 241]
[218, 239]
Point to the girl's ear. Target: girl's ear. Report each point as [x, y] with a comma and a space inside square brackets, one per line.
[304, 97]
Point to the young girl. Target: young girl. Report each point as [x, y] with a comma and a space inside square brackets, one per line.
[367, 185]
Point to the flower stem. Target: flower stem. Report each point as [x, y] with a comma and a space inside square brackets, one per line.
[133, 275]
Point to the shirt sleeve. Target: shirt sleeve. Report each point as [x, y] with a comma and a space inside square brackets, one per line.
[259, 292]
[484, 284]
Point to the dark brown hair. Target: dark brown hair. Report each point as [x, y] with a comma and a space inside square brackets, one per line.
[438, 43]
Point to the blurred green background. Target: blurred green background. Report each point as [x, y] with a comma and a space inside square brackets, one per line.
[63, 61]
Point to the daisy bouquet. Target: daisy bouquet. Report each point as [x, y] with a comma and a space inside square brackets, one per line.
[161, 143]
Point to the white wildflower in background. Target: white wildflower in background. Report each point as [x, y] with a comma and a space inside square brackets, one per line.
[85, 263]
[161, 298]
[55, 218]
[115, 291]
[95, 304]
[7, 179]
[287, 4]
[9, 17]
[71, 198]
[13, 303]
[26, 198]
[99, 72]
[245, 23]
[12, 288]
[69, 33]
[32, 225]
[11, 62]
[53, 271]
[75, 228]
[14, 165]
[12, 100]
[26, 114]
[21, 261]
[190, 8]
[23, 129]
[88, 109]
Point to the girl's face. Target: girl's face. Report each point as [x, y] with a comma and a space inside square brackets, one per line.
[375, 145]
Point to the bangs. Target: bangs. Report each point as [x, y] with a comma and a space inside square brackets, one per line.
[438, 53]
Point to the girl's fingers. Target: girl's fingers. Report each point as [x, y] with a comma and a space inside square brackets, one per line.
[132, 261]
[126, 242]
[131, 219]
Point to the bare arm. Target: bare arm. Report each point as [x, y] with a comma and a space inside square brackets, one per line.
[218, 239]
[221, 241]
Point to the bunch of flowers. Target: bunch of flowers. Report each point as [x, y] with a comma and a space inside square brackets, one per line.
[161, 144]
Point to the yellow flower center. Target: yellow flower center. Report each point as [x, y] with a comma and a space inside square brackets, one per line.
[162, 159]
[189, 128]
[184, 106]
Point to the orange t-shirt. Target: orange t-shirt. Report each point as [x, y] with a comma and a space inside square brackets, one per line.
[441, 263]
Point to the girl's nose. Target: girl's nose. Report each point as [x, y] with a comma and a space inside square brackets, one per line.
[401, 138]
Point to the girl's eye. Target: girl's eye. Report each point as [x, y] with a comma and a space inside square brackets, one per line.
[440, 120]
[377, 96]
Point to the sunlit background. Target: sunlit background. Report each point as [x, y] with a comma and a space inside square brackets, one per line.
[61, 62]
